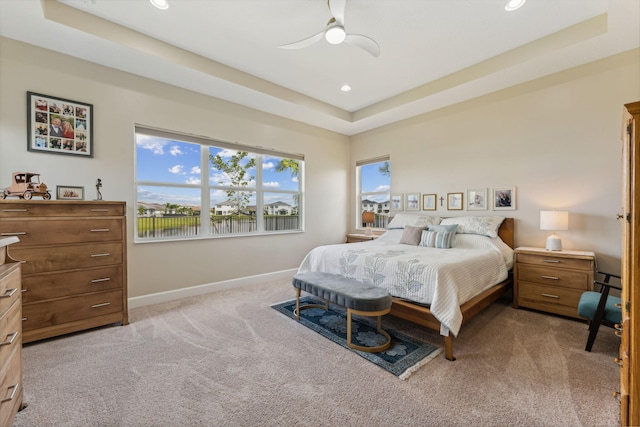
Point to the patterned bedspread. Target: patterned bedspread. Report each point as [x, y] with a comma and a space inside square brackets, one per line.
[442, 278]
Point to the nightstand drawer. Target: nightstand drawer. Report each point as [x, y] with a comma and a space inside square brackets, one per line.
[556, 261]
[549, 295]
[555, 277]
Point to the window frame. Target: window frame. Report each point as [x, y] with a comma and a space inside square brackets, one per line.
[206, 187]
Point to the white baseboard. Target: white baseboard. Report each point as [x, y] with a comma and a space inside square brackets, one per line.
[159, 297]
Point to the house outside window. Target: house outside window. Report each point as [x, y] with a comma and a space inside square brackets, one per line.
[195, 187]
[373, 179]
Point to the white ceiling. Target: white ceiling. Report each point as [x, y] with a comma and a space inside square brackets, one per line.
[434, 53]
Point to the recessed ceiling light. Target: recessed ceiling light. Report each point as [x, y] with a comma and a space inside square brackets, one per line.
[345, 88]
[514, 5]
[160, 4]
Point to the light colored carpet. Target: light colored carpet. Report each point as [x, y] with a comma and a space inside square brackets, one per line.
[229, 359]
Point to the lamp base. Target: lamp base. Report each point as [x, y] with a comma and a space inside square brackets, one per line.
[554, 243]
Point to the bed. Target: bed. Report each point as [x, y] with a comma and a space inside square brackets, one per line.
[440, 272]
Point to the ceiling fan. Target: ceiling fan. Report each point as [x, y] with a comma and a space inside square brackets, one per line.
[335, 33]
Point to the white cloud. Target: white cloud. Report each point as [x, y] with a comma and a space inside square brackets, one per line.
[272, 184]
[175, 150]
[193, 180]
[155, 145]
[196, 170]
[268, 165]
[382, 188]
[176, 169]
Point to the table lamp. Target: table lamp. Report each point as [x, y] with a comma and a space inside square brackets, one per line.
[554, 221]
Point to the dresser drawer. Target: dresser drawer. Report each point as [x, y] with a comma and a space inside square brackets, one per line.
[34, 232]
[56, 285]
[556, 277]
[10, 286]
[69, 257]
[55, 312]
[10, 331]
[555, 261]
[11, 388]
[52, 208]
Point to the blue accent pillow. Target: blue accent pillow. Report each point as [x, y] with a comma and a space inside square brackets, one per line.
[452, 228]
[437, 239]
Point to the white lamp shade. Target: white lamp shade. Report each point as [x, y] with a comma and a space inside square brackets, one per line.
[554, 220]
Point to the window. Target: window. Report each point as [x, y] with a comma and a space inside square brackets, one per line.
[373, 179]
[192, 187]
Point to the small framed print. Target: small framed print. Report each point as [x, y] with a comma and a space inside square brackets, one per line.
[65, 192]
[454, 201]
[429, 202]
[396, 202]
[504, 198]
[59, 126]
[477, 199]
[413, 201]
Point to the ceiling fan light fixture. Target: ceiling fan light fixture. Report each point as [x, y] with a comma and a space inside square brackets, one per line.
[345, 88]
[160, 4]
[514, 5]
[335, 34]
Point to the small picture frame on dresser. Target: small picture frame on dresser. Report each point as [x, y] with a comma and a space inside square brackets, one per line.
[66, 192]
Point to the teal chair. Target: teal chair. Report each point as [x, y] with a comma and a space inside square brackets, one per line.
[600, 308]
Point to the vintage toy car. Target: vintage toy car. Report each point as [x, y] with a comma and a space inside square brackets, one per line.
[26, 185]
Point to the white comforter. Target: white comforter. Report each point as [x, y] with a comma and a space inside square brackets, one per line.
[442, 278]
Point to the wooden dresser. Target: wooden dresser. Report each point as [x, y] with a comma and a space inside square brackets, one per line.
[74, 270]
[552, 281]
[10, 342]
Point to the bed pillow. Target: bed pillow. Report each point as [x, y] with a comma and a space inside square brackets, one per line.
[411, 235]
[451, 228]
[401, 220]
[482, 225]
[437, 239]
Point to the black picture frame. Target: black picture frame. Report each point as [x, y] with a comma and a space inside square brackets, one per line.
[45, 111]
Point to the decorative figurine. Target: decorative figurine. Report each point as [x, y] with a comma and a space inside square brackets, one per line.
[98, 186]
[26, 185]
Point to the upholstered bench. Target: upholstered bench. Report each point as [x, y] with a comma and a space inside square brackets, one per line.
[357, 297]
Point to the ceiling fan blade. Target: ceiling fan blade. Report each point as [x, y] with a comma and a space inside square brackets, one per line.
[305, 42]
[364, 42]
[337, 10]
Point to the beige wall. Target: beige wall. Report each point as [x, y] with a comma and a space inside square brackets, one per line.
[556, 139]
[120, 100]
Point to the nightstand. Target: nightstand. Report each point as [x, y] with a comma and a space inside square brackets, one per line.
[552, 281]
[360, 237]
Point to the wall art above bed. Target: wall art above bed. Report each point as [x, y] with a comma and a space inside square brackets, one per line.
[477, 199]
[504, 198]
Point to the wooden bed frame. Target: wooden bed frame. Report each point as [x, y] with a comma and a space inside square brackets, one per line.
[421, 314]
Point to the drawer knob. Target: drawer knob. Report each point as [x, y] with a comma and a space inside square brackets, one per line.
[98, 255]
[550, 296]
[9, 293]
[550, 277]
[13, 393]
[100, 230]
[15, 233]
[106, 279]
[554, 261]
[14, 210]
[10, 339]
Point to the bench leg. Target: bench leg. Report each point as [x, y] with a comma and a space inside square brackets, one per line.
[298, 308]
[379, 314]
[448, 347]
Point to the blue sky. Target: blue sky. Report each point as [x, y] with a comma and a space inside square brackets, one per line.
[175, 162]
[374, 181]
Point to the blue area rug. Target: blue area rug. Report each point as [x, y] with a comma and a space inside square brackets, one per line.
[405, 355]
